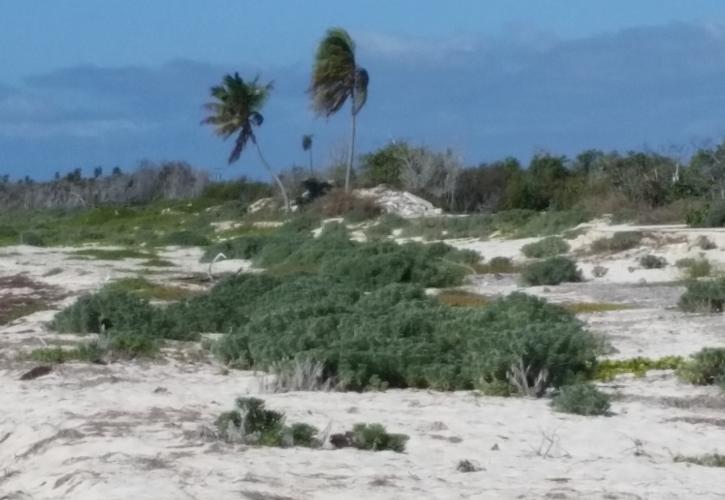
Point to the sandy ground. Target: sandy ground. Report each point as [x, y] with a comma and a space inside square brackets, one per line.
[136, 430]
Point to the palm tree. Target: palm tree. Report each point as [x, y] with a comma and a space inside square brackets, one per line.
[236, 109]
[335, 77]
[307, 146]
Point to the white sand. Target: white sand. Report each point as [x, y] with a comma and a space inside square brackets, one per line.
[131, 430]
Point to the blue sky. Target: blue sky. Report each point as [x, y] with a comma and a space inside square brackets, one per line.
[85, 83]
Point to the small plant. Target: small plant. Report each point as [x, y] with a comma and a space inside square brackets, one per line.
[618, 242]
[705, 243]
[252, 423]
[608, 369]
[372, 437]
[581, 399]
[704, 296]
[652, 262]
[497, 265]
[695, 268]
[547, 247]
[185, 238]
[551, 271]
[707, 367]
[32, 238]
[467, 466]
[599, 271]
[711, 460]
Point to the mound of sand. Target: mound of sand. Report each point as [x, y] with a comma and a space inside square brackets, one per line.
[400, 203]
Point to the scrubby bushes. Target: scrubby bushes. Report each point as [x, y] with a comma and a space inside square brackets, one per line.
[652, 262]
[705, 243]
[695, 268]
[185, 238]
[497, 265]
[706, 367]
[710, 460]
[367, 265]
[618, 242]
[704, 296]
[252, 423]
[551, 271]
[548, 247]
[393, 336]
[581, 399]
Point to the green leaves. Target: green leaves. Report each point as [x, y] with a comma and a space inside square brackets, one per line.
[236, 109]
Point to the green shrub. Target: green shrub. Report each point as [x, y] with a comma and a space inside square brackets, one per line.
[707, 367]
[374, 437]
[91, 352]
[548, 247]
[497, 265]
[252, 423]
[185, 238]
[711, 460]
[704, 296]
[618, 242]
[652, 262]
[705, 243]
[712, 215]
[581, 399]
[695, 268]
[32, 238]
[385, 226]
[551, 271]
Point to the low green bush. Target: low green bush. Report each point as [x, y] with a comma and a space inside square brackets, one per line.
[552, 271]
[652, 262]
[32, 238]
[252, 423]
[618, 242]
[581, 399]
[706, 367]
[185, 238]
[710, 460]
[712, 215]
[547, 247]
[374, 437]
[704, 296]
[695, 268]
[705, 243]
[609, 368]
[497, 265]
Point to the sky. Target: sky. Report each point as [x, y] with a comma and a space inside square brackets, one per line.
[86, 83]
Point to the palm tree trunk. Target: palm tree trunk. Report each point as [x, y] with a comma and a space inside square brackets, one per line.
[275, 176]
[352, 154]
[312, 170]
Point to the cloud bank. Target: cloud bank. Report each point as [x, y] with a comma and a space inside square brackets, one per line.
[485, 97]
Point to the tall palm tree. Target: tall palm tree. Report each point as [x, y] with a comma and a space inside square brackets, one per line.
[307, 146]
[236, 109]
[335, 77]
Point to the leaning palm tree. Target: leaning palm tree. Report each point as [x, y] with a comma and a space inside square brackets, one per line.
[335, 77]
[236, 109]
[307, 146]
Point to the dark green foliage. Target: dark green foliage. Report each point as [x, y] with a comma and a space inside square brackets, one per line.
[32, 238]
[547, 247]
[385, 226]
[695, 268]
[704, 296]
[705, 243]
[652, 262]
[374, 437]
[707, 367]
[712, 215]
[618, 242]
[185, 238]
[367, 265]
[711, 460]
[581, 399]
[551, 271]
[91, 352]
[252, 423]
[497, 265]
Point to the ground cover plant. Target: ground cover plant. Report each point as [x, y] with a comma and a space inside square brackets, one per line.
[552, 271]
[710, 460]
[695, 268]
[581, 399]
[704, 296]
[251, 422]
[497, 265]
[547, 247]
[652, 262]
[706, 367]
[618, 242]
[293, 249]
[608, 369]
